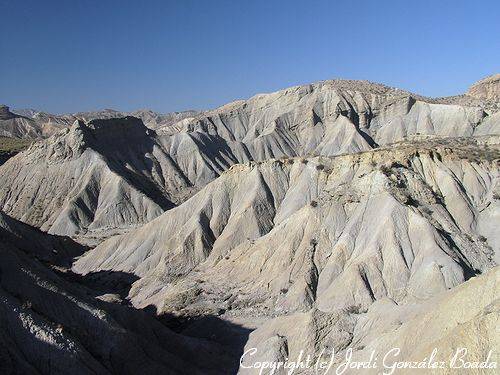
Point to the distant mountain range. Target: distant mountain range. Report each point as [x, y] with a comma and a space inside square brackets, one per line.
[31, 123]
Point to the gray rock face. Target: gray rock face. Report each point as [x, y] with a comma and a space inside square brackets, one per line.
[56, 250]
[47, 124]
[331, 252]
[463, 317]
[333, 117]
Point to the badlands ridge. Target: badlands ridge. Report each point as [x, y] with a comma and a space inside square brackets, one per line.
[344, 215]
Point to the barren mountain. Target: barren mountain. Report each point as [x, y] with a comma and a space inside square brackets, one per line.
[152, 171]
[151, 119]
[332, 117]
[329, 244]
[20, 127]
[340, 215]
[103, 175]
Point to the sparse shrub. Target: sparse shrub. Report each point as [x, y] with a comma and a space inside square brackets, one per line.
[13, 145]
[411, 202]
[314, 204]
[427, 210]
[386, 170]
[304, 161]
[482, 238]
[284, 290]
[313, 242]
[396, 164]
[353, 309]
[439, 198]
[320, 167]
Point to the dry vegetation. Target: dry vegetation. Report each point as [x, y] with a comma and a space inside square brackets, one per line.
[11, 146]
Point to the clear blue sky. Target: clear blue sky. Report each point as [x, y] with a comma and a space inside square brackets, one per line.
[71, 55]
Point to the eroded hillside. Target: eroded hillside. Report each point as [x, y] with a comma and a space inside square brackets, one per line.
[340, 215]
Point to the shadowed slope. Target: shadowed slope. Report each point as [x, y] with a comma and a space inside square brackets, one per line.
[52, 324]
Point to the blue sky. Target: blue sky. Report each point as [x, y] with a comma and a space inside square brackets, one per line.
[67, 56]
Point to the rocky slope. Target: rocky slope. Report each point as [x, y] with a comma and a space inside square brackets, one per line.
[387, 333]
[404, 222]
[53, 250]
[487, 88]
[103, 175]
[332, 117]
[331, 252]
[51, 323]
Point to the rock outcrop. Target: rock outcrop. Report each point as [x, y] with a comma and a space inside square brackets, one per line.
[456, 325]
[49, 123]
[487, 88]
